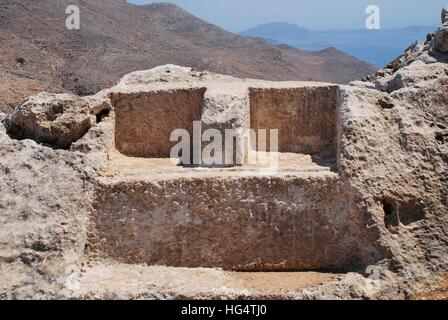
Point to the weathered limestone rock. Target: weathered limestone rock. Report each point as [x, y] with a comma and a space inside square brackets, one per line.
[441, 39]
[410, 75]
[441, 36]
[445, 15]
[56, 120]
[221, 103]
[412, 53]
[374, 156]
[44, 207]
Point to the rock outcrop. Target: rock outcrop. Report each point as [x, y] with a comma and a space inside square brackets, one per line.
[56, 120]
[441, 39]
[441, 36]
[370, 202]
[445, 15]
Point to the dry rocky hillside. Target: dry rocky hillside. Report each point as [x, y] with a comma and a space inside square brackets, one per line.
[115, 38]
[92, 207]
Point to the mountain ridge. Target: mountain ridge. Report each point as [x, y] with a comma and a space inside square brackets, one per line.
[298, 27]
[116, 38]
[374, 46]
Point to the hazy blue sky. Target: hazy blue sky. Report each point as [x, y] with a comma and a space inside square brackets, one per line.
[239, 15]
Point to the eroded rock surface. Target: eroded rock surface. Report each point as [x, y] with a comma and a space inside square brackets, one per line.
[44, 206]
[441, 38]
[56, 120]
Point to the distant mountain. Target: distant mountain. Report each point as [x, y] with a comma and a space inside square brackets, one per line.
[116, 38]
[375, 46]
[277, 30]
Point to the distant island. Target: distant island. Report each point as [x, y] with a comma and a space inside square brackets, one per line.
[375, 46]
